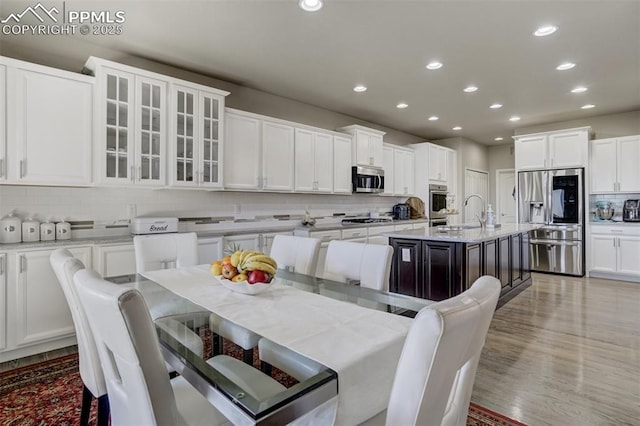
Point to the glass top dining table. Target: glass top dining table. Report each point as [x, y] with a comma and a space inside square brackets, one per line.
[299, 400]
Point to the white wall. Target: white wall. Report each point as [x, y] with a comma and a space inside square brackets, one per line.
[500, 157]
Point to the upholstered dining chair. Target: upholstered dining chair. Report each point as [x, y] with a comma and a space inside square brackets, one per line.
[140, 390]
[299, 254]
[437, 367]
[65, 265]
[370, 264]
[163, 251]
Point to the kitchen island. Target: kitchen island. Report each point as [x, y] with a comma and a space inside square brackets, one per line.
[440, 262]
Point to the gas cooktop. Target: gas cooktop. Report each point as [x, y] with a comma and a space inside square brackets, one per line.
[368, 220]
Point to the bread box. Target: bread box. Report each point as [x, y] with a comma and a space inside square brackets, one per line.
[153, 225]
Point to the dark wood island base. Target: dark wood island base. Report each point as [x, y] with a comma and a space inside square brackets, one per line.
[434, 265]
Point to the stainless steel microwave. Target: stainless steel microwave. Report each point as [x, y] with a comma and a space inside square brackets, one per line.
[367, 179]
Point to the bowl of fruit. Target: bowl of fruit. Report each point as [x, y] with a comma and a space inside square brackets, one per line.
[245, 271]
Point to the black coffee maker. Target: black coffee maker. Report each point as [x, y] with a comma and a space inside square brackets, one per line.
[401, 211]
[631, 211]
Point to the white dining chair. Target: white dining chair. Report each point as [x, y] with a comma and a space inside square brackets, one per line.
[370, 264]
[437, 367]
[298, 254]
[140, 391]
[65, 265]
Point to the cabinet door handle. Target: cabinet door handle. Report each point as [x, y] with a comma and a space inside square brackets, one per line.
[2, 260]
[139, 172]
[133, 172]
[22, 172]
[23, 263]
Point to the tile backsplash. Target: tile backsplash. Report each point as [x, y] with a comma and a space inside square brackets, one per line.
[113, 205]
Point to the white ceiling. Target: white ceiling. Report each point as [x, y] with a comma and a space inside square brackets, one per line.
[318, 57]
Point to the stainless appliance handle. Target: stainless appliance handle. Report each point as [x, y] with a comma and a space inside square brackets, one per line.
[555, 243]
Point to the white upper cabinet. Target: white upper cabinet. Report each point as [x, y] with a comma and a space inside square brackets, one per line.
[438, 165]
[3, 128]
[313, 161]
[131, 124]
[367, 145]
[48, 125]
[403, 175]
[558, 149]
[342, 165]
[277, 156]
[196, 140]
[389, 167]
[614, 164]
[242, 151]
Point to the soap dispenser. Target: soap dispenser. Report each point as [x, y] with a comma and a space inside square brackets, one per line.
[491, 216]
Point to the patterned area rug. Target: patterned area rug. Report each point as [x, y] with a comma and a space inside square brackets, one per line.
[50, 393]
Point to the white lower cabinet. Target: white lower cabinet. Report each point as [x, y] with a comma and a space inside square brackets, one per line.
[37, 310]
[615, 250]
[111, 260]
[241, 242]
[266, 240]
[325, 238]
[375, 236]
[209, 249]
[3, 301]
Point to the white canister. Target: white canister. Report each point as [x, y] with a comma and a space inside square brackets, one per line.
[47, 231]
[63, 230]
[10, 229]
[30, 230]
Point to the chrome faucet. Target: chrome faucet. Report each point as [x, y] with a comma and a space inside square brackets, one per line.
[482, 218]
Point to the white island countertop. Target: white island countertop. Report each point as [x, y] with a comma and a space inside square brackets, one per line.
[468, 234]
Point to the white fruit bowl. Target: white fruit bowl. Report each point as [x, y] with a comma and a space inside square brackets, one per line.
[244, 287]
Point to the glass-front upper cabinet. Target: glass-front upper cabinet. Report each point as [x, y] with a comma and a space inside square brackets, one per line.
[131, 124]
[196, 138]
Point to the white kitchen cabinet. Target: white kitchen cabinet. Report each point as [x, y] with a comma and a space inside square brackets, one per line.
[209, 249]
[614, 165]
[196, 136]
[131, 124]
[36, 306]
[241, 242]
[615, 250]
[403, 172]
[342, 165]
[3, 122]
[49, 120]
[313, 161]
[375, 234]
[438, 170]
[111, 260]
[266, 240]
[3, 301]
[325, 238]
[367, 148]
[242, 151]
[388, 164]
[557, 149]
[277, 156]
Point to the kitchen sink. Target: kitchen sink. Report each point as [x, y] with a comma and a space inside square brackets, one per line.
[456, 228]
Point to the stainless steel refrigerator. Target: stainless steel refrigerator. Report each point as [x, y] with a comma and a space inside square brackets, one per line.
[555, 199]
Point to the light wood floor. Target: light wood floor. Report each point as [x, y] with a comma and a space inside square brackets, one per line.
[566, 351]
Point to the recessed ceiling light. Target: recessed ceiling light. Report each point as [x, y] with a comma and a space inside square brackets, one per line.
[402, 105]
[470, 89]
[545, 30]
[433, 118]
[565, 66]
[579, 89]
[434, 65]
[514, 118]
[498, 138]
[360, 88]
[457, 128]
[495, 106]
[310, 5]
[588, 106]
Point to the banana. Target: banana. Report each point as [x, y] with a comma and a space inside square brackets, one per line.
[260, 266]
[235, 258]
[245, 254]
[262, 258]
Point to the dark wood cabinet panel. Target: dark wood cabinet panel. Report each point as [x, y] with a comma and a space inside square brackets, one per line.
[473, 264]
[439, 270]
[490, 258]
[516, 259]
[526, 257]
[406, 269]
[504, 266]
